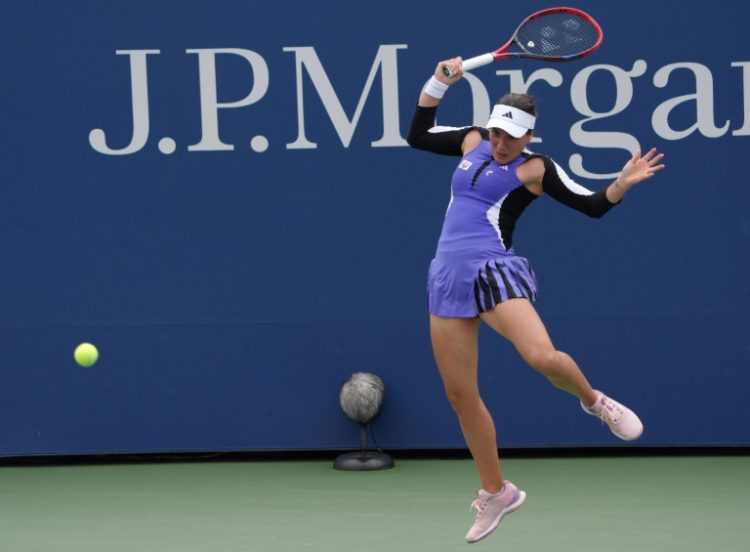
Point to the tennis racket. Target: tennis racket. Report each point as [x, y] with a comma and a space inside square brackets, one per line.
[554, 34]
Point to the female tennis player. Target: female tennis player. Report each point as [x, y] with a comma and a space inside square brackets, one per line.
[477, 277]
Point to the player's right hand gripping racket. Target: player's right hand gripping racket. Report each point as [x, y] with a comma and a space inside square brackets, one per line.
[554, 34]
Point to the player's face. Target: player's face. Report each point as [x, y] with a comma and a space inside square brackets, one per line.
[505, 148]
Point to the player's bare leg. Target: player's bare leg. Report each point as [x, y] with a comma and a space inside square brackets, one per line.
[454, 343]
[518, 321]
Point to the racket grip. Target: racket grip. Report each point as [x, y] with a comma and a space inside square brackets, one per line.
[472, 63]
[477, 61]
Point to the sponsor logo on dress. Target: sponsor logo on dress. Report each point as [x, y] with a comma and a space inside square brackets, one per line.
[464, 165]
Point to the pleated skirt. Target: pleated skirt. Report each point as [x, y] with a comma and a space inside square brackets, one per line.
[464, 289]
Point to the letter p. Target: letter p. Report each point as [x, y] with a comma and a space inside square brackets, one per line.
[210, 105]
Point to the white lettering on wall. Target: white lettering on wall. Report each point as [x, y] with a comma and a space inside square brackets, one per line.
[579, 98]
[139, 94]
[309, 70]
[385, 61]
[745, 129]
[703, 99]
[210, 105]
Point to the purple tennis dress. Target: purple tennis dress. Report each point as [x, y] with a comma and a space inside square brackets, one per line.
[475, 267]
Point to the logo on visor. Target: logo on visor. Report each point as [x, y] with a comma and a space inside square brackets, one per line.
[509, 115]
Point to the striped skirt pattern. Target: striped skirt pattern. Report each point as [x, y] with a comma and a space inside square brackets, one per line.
[463, 288]
[502, 279]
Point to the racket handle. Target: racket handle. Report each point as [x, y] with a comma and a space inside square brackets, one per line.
[472, 63]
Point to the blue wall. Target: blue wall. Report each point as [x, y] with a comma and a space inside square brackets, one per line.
[236, 263]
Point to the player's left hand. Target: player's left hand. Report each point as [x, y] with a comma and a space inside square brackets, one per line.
[640, 168]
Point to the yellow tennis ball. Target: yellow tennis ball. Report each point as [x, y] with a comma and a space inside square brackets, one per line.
[86, 355]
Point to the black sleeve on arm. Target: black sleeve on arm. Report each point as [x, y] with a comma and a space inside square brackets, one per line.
[424, 135]
[560, 187]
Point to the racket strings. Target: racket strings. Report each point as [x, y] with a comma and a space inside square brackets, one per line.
[557, 34]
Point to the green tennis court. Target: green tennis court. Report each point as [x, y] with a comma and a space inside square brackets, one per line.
[663, 504]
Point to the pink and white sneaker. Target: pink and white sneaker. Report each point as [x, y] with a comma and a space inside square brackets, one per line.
[621, 420]
[491, 508]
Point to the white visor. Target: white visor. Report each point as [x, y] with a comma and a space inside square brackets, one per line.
[511, 119]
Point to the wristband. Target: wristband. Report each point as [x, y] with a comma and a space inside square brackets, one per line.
[435, 88]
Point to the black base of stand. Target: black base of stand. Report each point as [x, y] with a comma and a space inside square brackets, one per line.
[364, 461]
